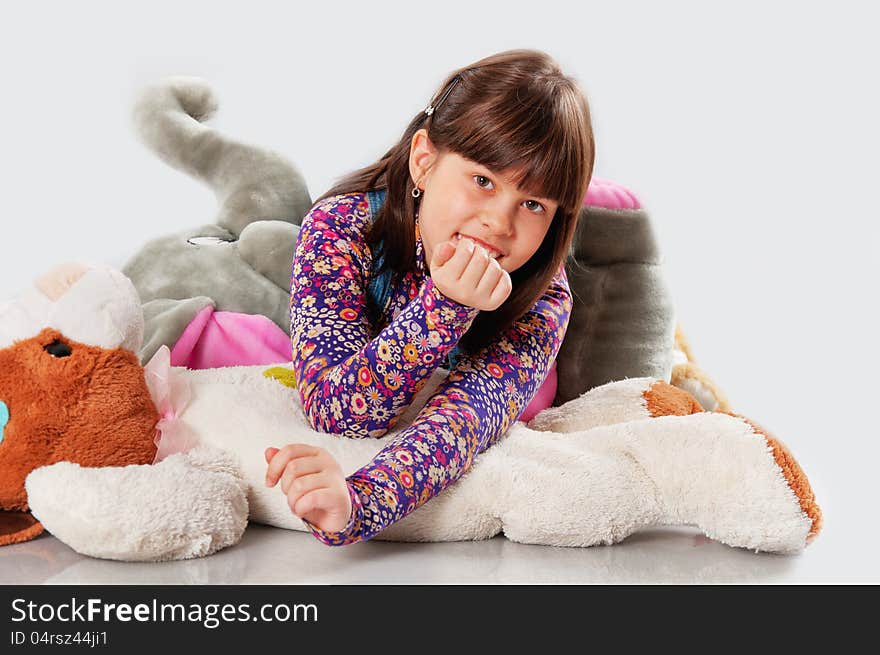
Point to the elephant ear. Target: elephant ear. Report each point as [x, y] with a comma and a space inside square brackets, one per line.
[17, 526]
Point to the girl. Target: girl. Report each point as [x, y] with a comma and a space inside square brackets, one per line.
[467, 222]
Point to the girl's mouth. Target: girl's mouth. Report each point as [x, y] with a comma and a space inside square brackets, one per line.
[493, 253]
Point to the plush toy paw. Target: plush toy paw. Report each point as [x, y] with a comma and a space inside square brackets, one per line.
[188, 505]
[687, 375]
[727, 476]
[617, 402]
[794, 476]
[17, 526]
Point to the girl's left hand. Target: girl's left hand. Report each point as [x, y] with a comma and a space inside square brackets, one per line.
[314, 484]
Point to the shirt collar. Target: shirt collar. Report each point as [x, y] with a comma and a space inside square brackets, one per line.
[420, 252]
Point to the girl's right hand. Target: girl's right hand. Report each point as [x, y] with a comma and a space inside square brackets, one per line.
[463, 271]
[313, 482]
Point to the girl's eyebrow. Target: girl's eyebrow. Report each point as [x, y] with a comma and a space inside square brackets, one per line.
[508, 183]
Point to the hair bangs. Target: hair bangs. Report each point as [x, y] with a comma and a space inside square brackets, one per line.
[529, 140]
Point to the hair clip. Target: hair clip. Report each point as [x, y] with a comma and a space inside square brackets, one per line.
[430, 108]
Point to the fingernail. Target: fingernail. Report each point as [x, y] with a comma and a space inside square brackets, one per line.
[470, 246]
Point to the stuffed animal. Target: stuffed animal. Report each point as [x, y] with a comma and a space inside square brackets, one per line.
[163, 462]
[218, 294]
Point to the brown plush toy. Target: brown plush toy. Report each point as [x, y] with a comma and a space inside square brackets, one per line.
[71, 401]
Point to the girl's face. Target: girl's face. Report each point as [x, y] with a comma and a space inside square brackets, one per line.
[460, 196]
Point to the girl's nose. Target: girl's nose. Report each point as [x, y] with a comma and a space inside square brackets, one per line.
[498, 220]
[4, 418]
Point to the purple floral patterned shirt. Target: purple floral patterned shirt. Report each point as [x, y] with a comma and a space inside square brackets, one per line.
[356, 379]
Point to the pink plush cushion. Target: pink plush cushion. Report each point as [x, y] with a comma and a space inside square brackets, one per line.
[611, 195]
[544, 397]
[215, 339]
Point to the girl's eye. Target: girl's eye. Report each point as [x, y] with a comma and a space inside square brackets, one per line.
[539, 208]
[482, 177]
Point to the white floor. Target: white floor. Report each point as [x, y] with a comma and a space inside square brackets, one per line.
[274, 556]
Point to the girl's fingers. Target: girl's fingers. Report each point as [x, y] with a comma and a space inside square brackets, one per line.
[316, 499]
[502, 289]
[282, 457]
[491, 277]
[299, 467]
[443, 254]
[304, 485]
[270, 453]
[479, 278]
[476, 267]
[464, 250]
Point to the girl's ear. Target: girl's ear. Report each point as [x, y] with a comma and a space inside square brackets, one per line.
[422, 155]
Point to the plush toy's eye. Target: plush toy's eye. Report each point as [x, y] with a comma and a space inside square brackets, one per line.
[58, 349]
[4, 417]
[207, 241]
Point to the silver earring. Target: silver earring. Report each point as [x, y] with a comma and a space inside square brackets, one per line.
[415, 192]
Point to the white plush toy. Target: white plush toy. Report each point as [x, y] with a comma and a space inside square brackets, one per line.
[621, 457]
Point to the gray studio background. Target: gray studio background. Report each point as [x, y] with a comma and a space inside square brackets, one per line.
[749, 131]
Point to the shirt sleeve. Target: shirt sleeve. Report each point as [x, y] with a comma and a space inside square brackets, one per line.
[477, 403]
[349, 383]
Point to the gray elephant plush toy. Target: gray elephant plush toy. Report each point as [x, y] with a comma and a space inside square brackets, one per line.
[241, 262]
[622, 323]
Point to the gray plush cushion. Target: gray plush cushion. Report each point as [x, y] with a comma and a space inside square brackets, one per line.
[623, 321]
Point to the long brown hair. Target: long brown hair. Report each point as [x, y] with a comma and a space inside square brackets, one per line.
[514, 110]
